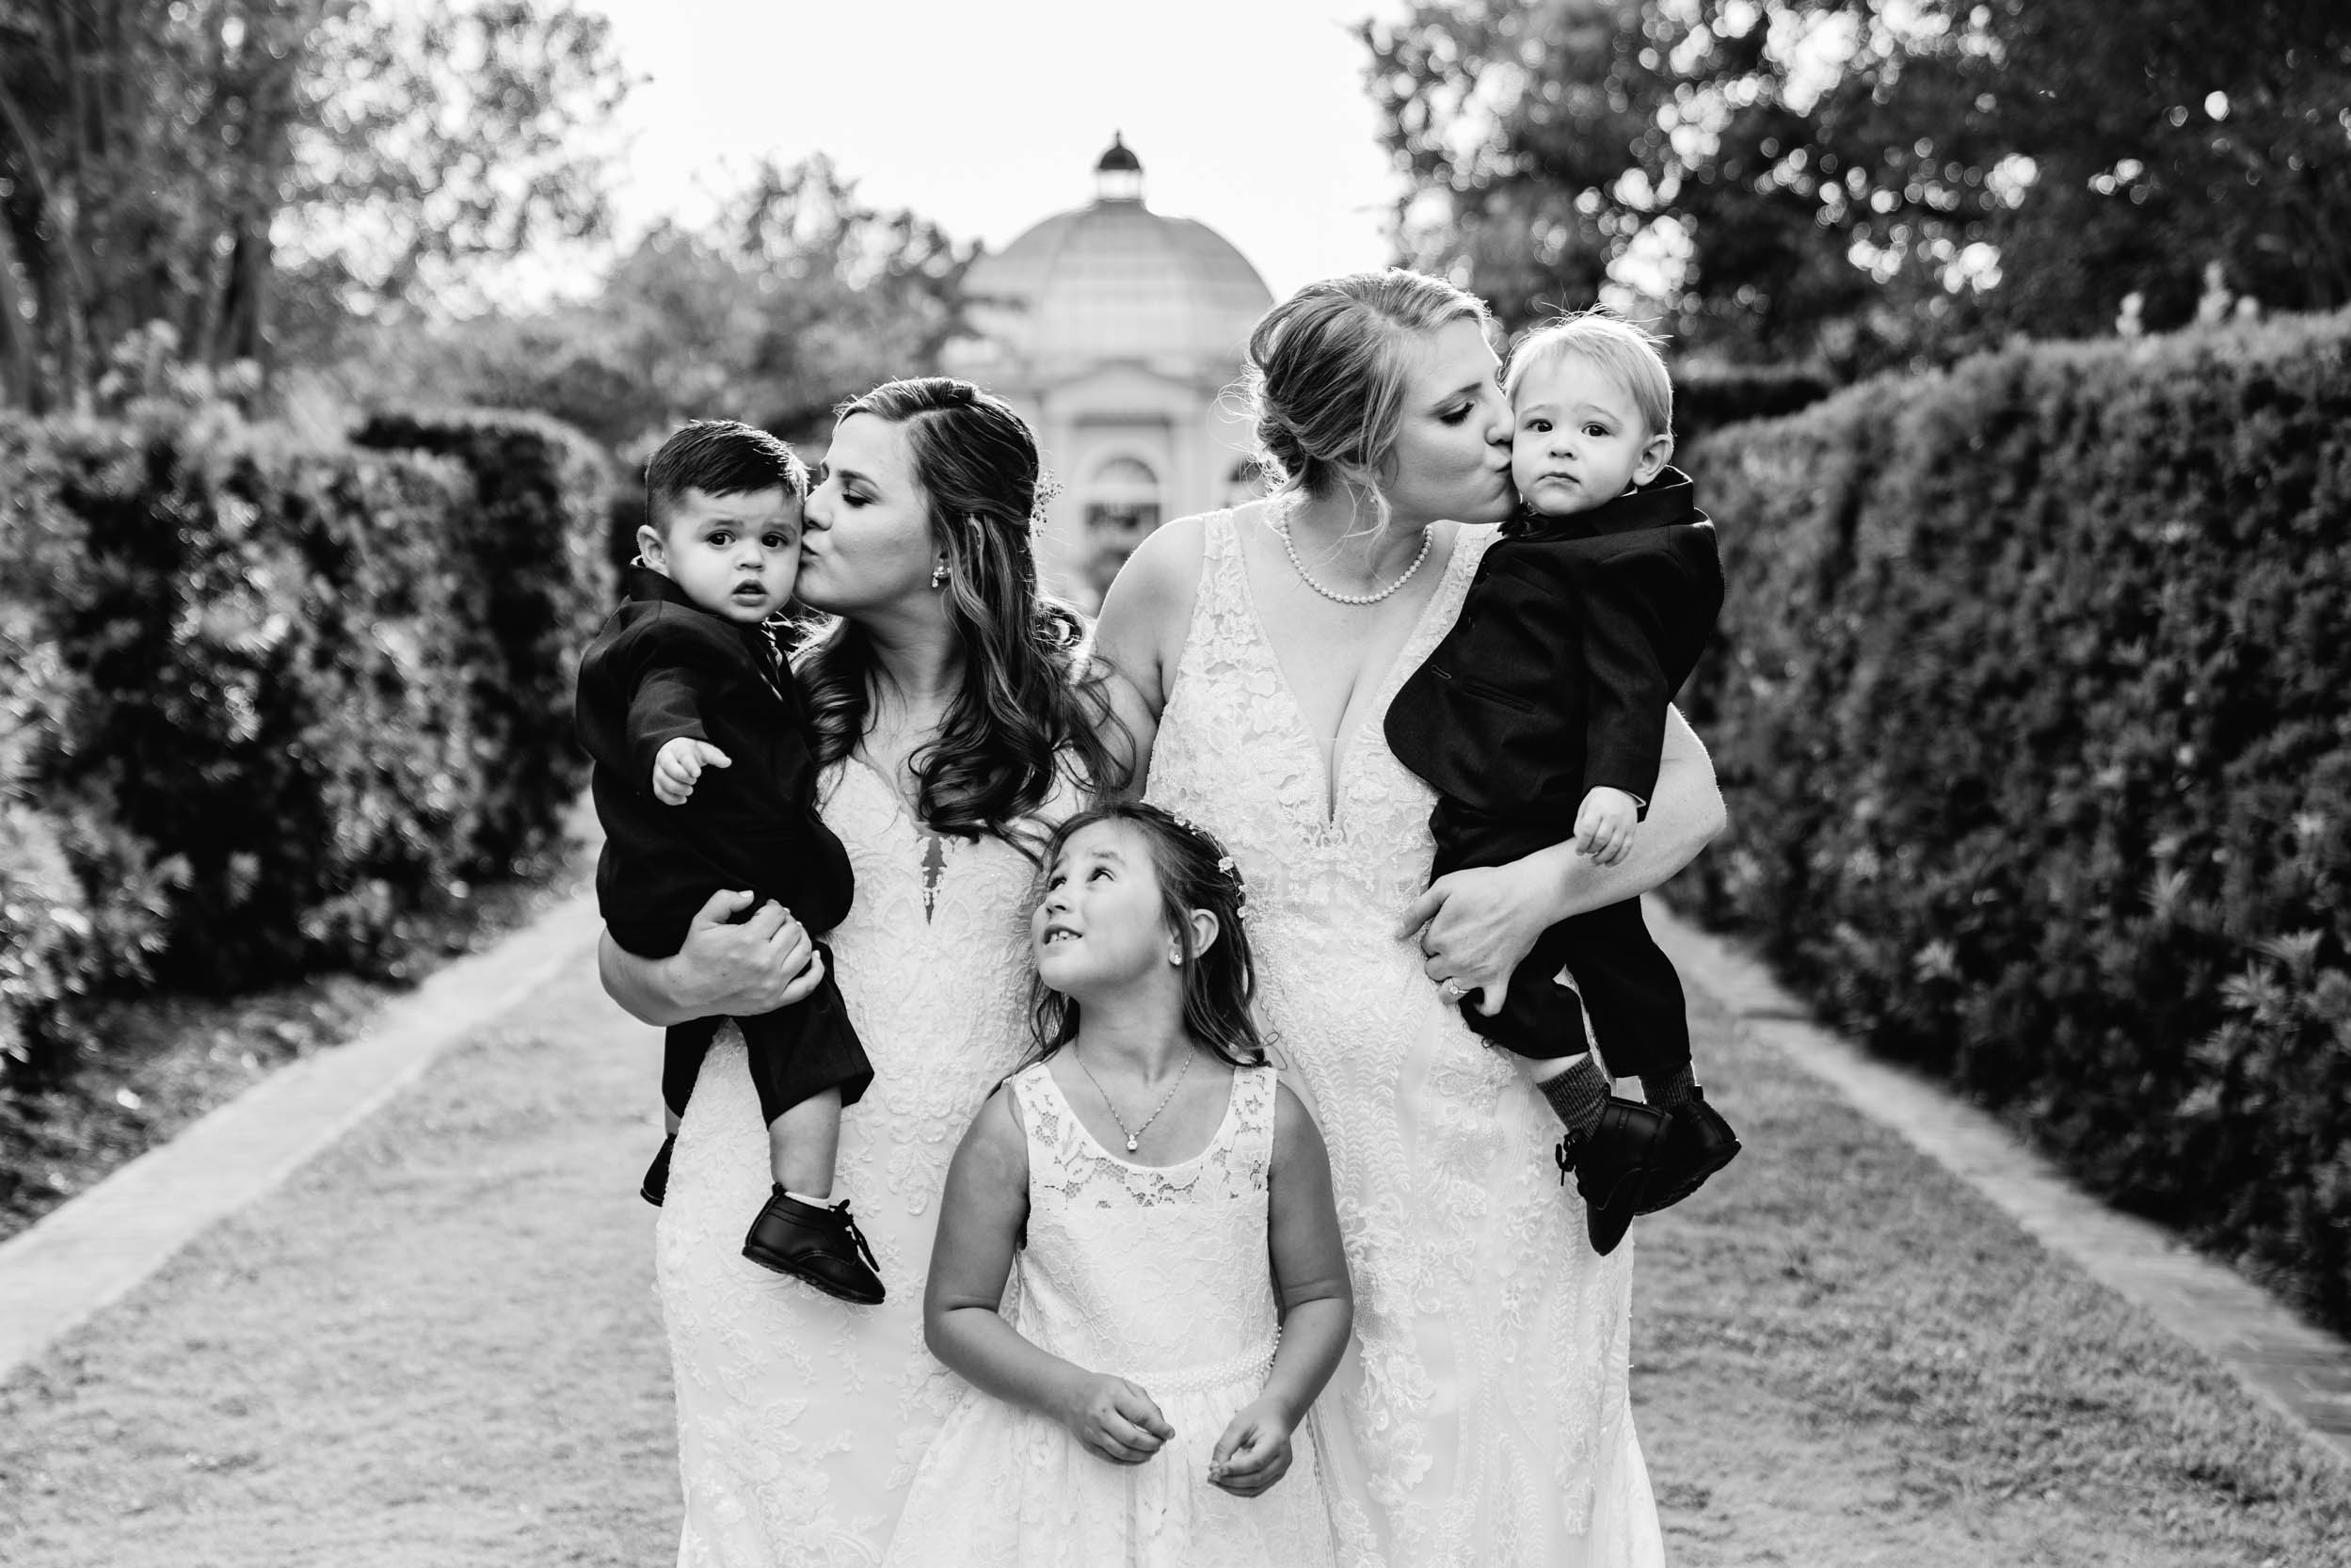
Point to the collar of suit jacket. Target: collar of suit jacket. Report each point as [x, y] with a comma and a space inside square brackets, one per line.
[1667, 499]
[641, 585]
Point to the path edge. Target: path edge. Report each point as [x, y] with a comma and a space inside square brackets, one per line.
[2298, 1370]
[97, 1247]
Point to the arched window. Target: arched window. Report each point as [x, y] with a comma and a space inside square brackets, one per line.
[1122, 505]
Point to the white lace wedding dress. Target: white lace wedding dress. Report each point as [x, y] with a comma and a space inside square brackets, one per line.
[1157, 1274]
[1481, 1416]
[800, 1418]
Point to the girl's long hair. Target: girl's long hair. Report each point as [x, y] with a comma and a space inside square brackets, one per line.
[1220, 980]
[1032, 696]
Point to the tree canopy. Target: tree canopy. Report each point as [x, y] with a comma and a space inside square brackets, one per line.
[1862, 180]
[797, 294]
[253, 174]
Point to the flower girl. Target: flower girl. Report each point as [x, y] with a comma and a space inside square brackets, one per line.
[1135, 1399]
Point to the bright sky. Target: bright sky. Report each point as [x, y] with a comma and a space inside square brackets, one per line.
[1247, 115]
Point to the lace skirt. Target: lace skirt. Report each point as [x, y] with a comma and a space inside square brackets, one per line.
[1004, 1488]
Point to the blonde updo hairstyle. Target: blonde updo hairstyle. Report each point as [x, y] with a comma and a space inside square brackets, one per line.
[1325, 374]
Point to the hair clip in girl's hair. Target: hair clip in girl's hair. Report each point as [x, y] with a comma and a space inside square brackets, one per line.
[1041, 496]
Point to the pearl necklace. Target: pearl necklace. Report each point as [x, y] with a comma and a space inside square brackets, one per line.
[1135, 1134]
[1280, 519]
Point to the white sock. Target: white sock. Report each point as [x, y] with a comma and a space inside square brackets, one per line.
[824, 1202]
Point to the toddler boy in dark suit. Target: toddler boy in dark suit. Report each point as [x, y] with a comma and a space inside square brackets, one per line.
[1548, 695]
[705, 780]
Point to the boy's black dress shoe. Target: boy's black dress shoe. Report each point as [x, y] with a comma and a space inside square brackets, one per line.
[1612, 1165]
[655, 1187]
[1697, 1142]
[818, 1243]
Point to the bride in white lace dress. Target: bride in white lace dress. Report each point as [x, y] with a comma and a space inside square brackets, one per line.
[1484, 1419]
[956, 730]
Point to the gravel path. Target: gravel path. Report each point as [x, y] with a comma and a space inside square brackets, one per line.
[438, 1344]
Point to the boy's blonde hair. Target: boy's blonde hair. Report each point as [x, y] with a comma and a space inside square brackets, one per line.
[1627, 352]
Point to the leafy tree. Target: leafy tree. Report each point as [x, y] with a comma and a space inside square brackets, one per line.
[1862, 180]
[252, 173]
[799, 293]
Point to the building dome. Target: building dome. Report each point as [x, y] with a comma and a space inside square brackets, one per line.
[1111, 282]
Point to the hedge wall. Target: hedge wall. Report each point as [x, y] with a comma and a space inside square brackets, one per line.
[2033, 702]
[533, 545]
[246, 727]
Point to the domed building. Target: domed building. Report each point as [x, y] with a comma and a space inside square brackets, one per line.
[1116, 331]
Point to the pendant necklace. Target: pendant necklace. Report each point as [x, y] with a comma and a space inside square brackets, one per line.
[1134, 1135]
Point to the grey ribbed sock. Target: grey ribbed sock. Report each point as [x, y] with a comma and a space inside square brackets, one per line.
[1578, 1096]
[1671, 1089]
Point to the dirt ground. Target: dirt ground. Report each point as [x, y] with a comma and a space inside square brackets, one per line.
[438, 1344]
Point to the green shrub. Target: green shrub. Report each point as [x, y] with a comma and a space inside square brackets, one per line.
[532, 547]
[264, 702]
[2030, 702]
[82, 901]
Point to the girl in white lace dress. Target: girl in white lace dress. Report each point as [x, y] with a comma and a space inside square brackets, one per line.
[958, 725]
[1482, 1416]
[1136, 1398]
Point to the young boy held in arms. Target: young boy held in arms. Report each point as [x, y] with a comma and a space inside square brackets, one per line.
[705, 780]
[1550, 695]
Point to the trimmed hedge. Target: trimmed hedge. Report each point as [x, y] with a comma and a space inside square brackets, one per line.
[2033, 699]
[1706, 397]
[532, 548]
[246, 731]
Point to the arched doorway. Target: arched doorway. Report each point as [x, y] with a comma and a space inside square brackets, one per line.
[1121, 502]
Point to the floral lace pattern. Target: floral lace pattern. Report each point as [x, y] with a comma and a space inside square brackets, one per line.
[1481, 1416]
[800, 1418]
[1157, 1274]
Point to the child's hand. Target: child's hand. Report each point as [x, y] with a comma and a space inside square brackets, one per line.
[1254, 1453]
[1114, 1418]
[1606, 824]
[678, 767]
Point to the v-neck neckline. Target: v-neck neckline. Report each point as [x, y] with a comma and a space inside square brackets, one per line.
[1331, 771]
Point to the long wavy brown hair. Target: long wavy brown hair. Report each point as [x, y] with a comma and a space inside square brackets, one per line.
[1032, 698]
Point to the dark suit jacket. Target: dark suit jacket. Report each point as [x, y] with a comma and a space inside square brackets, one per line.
[1575, 636]
[661, 668]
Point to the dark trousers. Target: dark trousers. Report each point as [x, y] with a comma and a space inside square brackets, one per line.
[797, 1052]
[1627, 983]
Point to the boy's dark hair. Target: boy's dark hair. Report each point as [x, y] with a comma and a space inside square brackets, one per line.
[719, 457]
[1195, 872]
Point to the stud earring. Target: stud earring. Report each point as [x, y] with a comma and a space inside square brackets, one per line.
[939, 577]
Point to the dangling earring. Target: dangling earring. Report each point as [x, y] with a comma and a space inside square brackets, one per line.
[938, 576]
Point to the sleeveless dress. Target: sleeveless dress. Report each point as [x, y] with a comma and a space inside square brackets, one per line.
[801, 1418]
[1481, 1416]
[1157, 1274]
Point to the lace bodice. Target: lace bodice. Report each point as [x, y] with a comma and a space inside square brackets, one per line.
[1484, 1410]
[1156, 1273]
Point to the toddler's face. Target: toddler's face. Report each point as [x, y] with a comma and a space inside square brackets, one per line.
[1100, 922]
[734, 555]
[1577, 440]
